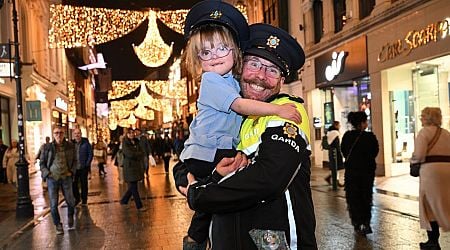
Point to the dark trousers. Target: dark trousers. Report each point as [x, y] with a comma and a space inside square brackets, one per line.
[166, 163]
[101, 168]
[81, 177]
[3, 177]
[199, 228]
[132, 191]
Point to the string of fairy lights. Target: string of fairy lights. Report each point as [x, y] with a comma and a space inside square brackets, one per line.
[79, 26]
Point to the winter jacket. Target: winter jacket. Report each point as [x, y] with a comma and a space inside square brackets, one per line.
[48, 156]
[85, 154]
[133, 166]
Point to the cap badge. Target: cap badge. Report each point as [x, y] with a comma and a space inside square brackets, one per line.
[273, 42]
[216, 14]
[290, 130]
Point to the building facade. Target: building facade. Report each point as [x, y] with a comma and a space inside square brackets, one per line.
[387, 58]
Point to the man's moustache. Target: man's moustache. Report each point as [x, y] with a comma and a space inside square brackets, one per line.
[258, 82]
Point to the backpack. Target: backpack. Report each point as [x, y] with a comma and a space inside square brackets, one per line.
[324, 144]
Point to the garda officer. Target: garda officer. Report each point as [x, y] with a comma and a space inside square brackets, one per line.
[268, 203]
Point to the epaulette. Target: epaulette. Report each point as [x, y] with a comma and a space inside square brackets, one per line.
[291, 97]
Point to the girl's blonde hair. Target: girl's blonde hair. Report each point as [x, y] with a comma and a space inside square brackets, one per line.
[207, 34]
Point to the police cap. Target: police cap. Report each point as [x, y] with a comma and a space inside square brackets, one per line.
[275, 45]
[218, 12]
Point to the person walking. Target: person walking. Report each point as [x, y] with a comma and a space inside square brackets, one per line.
[432, 149]
[133, 169]
[58, 163]
[38, 155]
[10, 159]
[3, 177]
[167, 147]
[359, 148]
[84, 158]
[145, 145]
[334, 154]
[100, 155]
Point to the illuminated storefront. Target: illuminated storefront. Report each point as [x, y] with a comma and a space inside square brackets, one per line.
[344, 84]
[409, 63]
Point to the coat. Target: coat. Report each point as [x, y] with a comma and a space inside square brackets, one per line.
[133, 166]
[48, 156]
[434, 185]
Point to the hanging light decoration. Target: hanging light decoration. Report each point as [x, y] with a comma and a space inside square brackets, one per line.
[132, 119]
[144, 98]
[153, 52]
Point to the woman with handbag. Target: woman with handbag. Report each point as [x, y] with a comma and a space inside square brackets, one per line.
[359, 148]
[133, 169]
[334, 153]
[432, 149]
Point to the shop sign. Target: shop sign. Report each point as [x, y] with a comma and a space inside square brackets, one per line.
[6, 69]
[34, 111]
[60, 103]
[5, 52]
[414, 39]
[342, 64]
[337, 65]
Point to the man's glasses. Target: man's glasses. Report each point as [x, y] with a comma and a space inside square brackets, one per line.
[58, 133]
[208, 54]
[255, 65]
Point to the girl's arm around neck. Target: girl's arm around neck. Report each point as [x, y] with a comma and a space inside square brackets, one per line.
[257, 108]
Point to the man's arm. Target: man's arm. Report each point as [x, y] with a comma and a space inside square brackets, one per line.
[90, 155]
[43, 159]
[276, 164]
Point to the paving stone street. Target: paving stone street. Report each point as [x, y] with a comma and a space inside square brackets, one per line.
[105, 224]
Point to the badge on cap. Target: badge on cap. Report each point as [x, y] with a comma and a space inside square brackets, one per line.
[273, 42]
[216, 14]
[290, 130]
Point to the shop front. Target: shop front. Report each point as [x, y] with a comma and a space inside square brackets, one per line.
[342, 77]
[409, 63]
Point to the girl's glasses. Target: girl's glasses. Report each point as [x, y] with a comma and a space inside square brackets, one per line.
[208, 54]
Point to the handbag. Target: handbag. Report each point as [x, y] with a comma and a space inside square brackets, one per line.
[351, 148]
[414, 168]
[98, 153]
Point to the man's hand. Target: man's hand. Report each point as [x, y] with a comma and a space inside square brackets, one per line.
[289, 111]
[229, 165]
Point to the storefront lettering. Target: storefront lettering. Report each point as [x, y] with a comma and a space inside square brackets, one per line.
[337, 65]
[60, 103]
[414, 39]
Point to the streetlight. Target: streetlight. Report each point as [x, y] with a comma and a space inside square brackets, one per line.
[24, 206]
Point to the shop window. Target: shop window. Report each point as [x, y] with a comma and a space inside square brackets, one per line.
[340, 17]
[5, 129]
[365, 8]
[318, 20]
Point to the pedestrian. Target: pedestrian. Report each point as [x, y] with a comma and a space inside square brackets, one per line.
[215, 30]
[84, 159]
[3, 173]
[100, 155]
[334, 153]
[10, 159]
[271, 197]
[119, 160]
[58, 163]
[145, 145]
[359, 148]
[167, 147]
[133, 169]
[431, 147]
[38, 155]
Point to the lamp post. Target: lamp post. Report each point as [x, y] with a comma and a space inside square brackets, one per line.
[24, 206]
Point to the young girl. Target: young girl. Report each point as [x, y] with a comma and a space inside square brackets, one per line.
[214, 30]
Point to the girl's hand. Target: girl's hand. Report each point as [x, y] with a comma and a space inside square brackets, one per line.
[289, 111]
[191, 180]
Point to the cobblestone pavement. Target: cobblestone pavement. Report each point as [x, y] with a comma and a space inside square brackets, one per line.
[105, 224]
